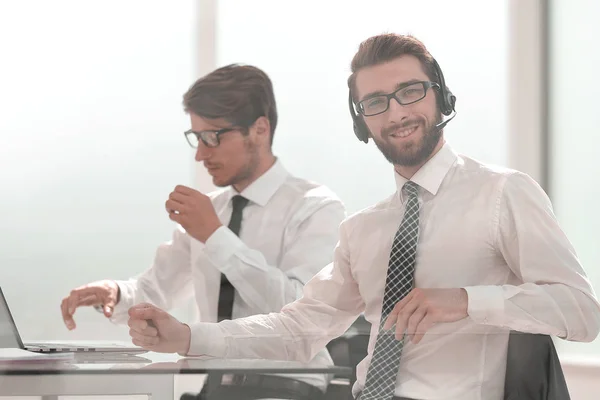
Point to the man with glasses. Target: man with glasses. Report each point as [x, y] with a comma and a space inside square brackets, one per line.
[246, 249]
[444, 269]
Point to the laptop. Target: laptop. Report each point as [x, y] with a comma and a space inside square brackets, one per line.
[10, 338]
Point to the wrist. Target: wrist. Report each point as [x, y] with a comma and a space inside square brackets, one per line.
[213, 228]
[184, 347]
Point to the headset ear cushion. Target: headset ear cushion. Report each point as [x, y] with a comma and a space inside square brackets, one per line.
[360, 130]
[449, 102]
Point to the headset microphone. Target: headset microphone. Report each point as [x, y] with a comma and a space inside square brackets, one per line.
[442, 124]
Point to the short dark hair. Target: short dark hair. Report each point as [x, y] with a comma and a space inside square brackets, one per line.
[386, 47]
[237, 93]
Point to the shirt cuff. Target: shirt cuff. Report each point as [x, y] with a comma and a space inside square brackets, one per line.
[486, 304]
[206, 339]
[221, 245]
[120, 312]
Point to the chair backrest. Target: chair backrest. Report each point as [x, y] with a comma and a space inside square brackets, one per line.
[351, 348]
[347, 351]
[533, 369]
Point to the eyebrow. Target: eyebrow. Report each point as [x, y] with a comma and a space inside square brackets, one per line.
[398, 87]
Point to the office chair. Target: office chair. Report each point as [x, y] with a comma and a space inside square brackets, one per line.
[347, 351]
[533, 370]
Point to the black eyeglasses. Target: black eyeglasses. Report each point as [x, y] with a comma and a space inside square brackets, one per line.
[407, 94]
[210, 138]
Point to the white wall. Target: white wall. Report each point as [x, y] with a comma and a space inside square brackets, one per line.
[306, 48]
[91, 144]
[574, 121]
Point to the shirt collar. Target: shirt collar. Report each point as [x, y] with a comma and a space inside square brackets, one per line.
[432, 173]
[262, 189]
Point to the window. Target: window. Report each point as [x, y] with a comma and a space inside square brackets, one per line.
[574, 144]
[91, 145]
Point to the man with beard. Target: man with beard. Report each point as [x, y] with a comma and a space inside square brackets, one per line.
[246, 249]
[444, 269]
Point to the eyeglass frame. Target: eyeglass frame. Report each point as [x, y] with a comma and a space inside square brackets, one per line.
[426, 86]
[199, 135]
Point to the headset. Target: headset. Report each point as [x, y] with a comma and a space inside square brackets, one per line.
[446, 101]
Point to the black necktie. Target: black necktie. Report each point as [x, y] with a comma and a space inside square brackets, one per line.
[227, 291]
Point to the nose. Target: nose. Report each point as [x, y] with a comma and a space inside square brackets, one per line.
[203, 152]
[397, 112]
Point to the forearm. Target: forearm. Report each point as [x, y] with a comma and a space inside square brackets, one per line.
[276, 336]
[553, 309]
[552, 293]
[166, 283]
[272, 287]
[330, 303]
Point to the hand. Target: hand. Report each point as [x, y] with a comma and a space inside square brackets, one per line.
[193, 211]
[164, 333]
[422, 308]
[101, 293]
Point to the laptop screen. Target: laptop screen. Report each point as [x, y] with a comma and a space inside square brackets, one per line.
[9, 336]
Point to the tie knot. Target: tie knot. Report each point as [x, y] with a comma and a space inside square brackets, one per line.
[411, 188]
[239, 202]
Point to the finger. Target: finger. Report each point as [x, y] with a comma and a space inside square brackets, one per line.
[144, 311]
[146, 340]
[82, 293]
[403, 317]
[90, 300]
[142, 344]
[150, 331]
[174, 205]
[143, 329]
[72, 301]
[108, 310]
[179, 197]
[414, 321]
[137, 324]
[393, 316]
[67, 316]
[184, 190]
[176, 218]
[426, 323]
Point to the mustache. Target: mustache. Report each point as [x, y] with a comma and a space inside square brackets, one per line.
[388, 130]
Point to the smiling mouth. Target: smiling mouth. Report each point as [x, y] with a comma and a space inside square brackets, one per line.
[404, 132]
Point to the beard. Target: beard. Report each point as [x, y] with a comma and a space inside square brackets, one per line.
[247, 170]
[411, 153]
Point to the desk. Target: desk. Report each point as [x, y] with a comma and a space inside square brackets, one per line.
[150, 374]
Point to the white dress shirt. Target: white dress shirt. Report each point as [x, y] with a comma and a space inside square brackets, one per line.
[289, 230]
[487, 229]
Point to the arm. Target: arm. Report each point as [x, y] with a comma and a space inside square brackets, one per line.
[310, 239]
[164, 283]
[556, 298]
[331, 302]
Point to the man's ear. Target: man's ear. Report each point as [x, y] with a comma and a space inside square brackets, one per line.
[262, 130]
[262, 126]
